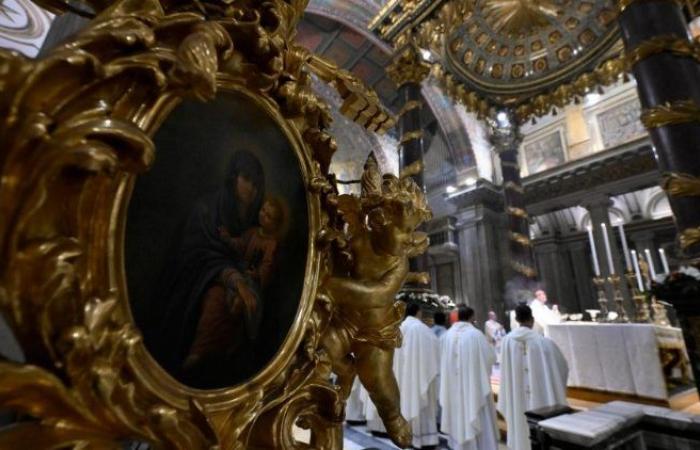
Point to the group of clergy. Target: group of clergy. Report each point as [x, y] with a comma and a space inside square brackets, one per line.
[444, 377]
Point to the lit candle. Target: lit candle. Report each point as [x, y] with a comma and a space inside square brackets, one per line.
[625, 248]
[608, 252]
[637, 272]
[594, 253]
[664, 261]
[652, 269]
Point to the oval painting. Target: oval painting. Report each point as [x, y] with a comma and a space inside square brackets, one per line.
[216, 242]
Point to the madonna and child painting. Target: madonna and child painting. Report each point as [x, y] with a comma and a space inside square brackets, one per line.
[216, 242]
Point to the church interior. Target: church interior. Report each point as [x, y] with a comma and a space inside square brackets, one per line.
[350, 224]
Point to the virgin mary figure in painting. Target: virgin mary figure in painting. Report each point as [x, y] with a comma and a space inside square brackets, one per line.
[209, 304]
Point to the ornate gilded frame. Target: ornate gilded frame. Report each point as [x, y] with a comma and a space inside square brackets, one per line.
[76, 132]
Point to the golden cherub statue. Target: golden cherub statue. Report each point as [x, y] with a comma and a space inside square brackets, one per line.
[379, 239]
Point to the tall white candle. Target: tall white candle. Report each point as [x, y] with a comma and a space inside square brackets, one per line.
[594, 253]
[652, 269]
[625, 248]
[637, 272]
[664, 261]
[608, 252]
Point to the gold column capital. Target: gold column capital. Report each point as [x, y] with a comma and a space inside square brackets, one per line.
[408, 66]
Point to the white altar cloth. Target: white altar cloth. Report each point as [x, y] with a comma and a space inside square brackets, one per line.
[619, 358]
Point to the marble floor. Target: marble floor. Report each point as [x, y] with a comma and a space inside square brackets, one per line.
[359, 438]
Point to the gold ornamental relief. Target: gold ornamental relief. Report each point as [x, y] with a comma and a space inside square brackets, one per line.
[520, 16]
[89, 134]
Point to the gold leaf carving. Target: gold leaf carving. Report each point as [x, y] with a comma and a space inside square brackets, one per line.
[75, 132]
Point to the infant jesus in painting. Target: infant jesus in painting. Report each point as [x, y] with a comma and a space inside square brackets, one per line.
[219, 326]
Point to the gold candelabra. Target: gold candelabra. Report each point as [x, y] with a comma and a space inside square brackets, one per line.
[619, 300]
[660, 315]
[602, 299]
[641, 308]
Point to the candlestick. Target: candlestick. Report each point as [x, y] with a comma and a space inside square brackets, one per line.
[660, 314]
[625, 248]
[652, 269]
[637, 272]
[608, 252]
[664, 261]
[594, 253]
[602, 300]
[619, 301]
[641, 309]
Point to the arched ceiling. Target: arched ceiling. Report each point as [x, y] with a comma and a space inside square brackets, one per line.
[332, 30]
[350, 50]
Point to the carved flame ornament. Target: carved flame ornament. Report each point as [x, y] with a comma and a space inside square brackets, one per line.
[76, 131]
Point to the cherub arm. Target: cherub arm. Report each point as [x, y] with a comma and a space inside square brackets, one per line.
[368, 294]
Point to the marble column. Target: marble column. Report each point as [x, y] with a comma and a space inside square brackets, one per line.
[657, 40]
[506, 139]
[598, 207]
[659, 49]
[407, 70]
[480, 230]
[579, 255]
[556, 274]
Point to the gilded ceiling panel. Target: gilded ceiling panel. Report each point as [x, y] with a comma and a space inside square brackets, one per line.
[513, 48]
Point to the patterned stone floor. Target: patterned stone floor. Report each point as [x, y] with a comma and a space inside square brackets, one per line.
[359, 438]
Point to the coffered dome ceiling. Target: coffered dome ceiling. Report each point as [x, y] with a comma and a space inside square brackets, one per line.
[510, 49]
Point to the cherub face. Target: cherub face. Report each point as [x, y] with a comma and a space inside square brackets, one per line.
[268, 217]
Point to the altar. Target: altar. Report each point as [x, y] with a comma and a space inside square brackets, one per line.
[643, 361]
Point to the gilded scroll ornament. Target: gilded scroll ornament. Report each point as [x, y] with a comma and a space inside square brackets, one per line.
[520, 239]
[76, 132]
[517, 212]
[515, 187]
[524, 270]
[411, 136]
[359, 103]
[681, 185]
[690, 237]
[671, 113]
[413, 169]
[408, 66]
[662, 44]
[410, 106]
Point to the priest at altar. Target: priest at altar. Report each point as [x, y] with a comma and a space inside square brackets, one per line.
[416, 365]
[533, 375]
[542, 314]
[468, 411]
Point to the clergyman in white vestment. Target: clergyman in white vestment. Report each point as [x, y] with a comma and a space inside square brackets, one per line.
[468, 412]
[533, 375]
[494, 333]
[354, 408]
[416, 365]
[542, 314]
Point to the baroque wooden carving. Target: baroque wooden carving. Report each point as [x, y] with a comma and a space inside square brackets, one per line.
[76, 131]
